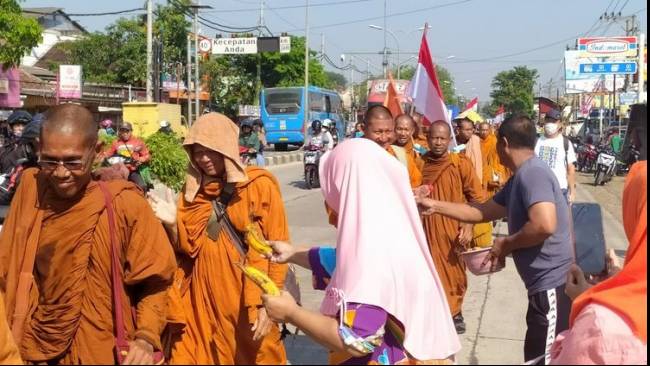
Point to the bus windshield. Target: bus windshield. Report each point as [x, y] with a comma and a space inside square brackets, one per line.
[285, 101]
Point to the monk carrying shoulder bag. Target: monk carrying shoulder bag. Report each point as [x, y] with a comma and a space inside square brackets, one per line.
[121, 342]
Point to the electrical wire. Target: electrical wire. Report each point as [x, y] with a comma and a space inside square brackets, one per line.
[333, 3]
[88, 14]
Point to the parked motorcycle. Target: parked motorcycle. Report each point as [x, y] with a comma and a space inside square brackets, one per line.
[311, 160]
[606, 165]
[587, 155]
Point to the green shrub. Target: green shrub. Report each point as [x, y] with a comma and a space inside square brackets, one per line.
[168, 160]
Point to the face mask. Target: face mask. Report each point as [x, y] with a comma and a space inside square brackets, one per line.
[551, 128]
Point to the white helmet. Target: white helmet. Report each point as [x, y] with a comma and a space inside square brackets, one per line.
[327, 122]
[164, 124]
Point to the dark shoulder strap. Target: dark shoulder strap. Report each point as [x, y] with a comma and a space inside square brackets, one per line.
[566, 150]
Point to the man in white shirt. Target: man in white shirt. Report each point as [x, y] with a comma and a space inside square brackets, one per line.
[557, 151]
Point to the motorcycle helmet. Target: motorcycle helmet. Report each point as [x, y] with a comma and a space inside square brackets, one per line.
[19, 117]
[327, 123]
[107, 123]
[247, 123]
[316, 126]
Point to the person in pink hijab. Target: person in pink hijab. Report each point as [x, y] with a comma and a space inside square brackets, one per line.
[384, 302]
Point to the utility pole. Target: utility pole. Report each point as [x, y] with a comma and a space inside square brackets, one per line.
[322, 48]
[189, 81]
[351, 86]
[306, 96]
[641, 66]
[149, 51]
[197, 84]
[385, 61]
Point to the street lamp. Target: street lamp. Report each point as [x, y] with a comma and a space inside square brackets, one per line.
[372, 26]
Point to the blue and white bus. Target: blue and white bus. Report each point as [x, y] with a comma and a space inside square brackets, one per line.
[283, 113]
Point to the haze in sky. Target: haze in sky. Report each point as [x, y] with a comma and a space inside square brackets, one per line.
[474, 39]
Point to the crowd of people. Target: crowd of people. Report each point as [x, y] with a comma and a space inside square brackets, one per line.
[97, 272]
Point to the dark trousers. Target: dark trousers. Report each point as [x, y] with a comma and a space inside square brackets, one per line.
[547, 316]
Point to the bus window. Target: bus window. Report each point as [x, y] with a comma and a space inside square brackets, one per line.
[328, 104]
[285, 101]
[316, 103]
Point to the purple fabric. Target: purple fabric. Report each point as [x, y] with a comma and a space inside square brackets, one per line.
[11, 77]
[320, 276]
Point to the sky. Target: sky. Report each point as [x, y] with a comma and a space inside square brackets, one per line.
[473, 39]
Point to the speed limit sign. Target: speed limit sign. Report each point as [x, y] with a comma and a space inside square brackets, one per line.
[205, 45]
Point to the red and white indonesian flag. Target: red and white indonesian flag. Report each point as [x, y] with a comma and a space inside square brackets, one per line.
[472, 105]
[500, 115]
[424, 89]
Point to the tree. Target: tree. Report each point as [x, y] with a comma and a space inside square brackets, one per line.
[118, 54]
[514, 90]
[18, 35]
[233, 78]
[336, 80]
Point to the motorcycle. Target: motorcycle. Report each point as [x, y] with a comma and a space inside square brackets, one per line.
[587, 155]
[311, 160]
[247, 157]
[146, 181]
[625, 163]
[606, 166]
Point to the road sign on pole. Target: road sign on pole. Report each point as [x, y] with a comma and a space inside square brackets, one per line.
[609, 68]
[205, 45]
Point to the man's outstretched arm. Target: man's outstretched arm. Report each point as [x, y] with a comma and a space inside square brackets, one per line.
[472, 213]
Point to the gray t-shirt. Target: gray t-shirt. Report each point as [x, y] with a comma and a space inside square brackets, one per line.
[544, 266]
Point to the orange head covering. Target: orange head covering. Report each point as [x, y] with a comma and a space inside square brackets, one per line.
[626, 293]
[218, 133]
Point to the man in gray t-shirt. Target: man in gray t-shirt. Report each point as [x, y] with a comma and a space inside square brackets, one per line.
[539, 233]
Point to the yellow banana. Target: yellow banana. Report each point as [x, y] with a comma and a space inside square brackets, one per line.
[261, 279]
[257, 241]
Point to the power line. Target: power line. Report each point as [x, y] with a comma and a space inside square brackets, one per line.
[387, 16]
[87, 14]
[333, 3]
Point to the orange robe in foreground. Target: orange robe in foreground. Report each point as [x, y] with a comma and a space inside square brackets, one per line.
[70, 316]
[9, 354]
[492, 165]
[219, 303]
[453, 179]
[415, 175]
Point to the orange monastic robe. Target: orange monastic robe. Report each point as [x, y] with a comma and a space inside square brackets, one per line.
[452, 179]
[410, 149]
[70, 312]
[9, 354]
[415, 174]
[492, 165]
[219, 303]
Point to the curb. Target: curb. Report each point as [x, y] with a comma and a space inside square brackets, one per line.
[283, 159]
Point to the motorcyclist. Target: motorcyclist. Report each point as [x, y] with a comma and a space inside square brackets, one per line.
[16, 121]
[165, 127]
[248, 138]
[24, 155]
[330, 126]
[321, 136]
[133, 148]
[106, 126]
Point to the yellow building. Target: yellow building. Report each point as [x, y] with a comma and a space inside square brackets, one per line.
[146, 117]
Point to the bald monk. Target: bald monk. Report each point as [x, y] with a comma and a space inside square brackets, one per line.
[405, 128]
[449, 177]
[470, 147]
[9, 354]
[64, 313]
[494, 173]
[380, 127]
[420, 134]
[225, 322]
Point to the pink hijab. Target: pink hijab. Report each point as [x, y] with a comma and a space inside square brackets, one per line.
[382, 256]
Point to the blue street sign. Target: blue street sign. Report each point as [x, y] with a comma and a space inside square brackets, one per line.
[609, 68]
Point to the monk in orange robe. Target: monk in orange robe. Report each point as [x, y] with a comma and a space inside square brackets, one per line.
[380, 128]
[9, 354]
[61, 311]
[449, 177]
[471, 149]
[405, 127]
[225, 322]
[421, 132]
[495, 175]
